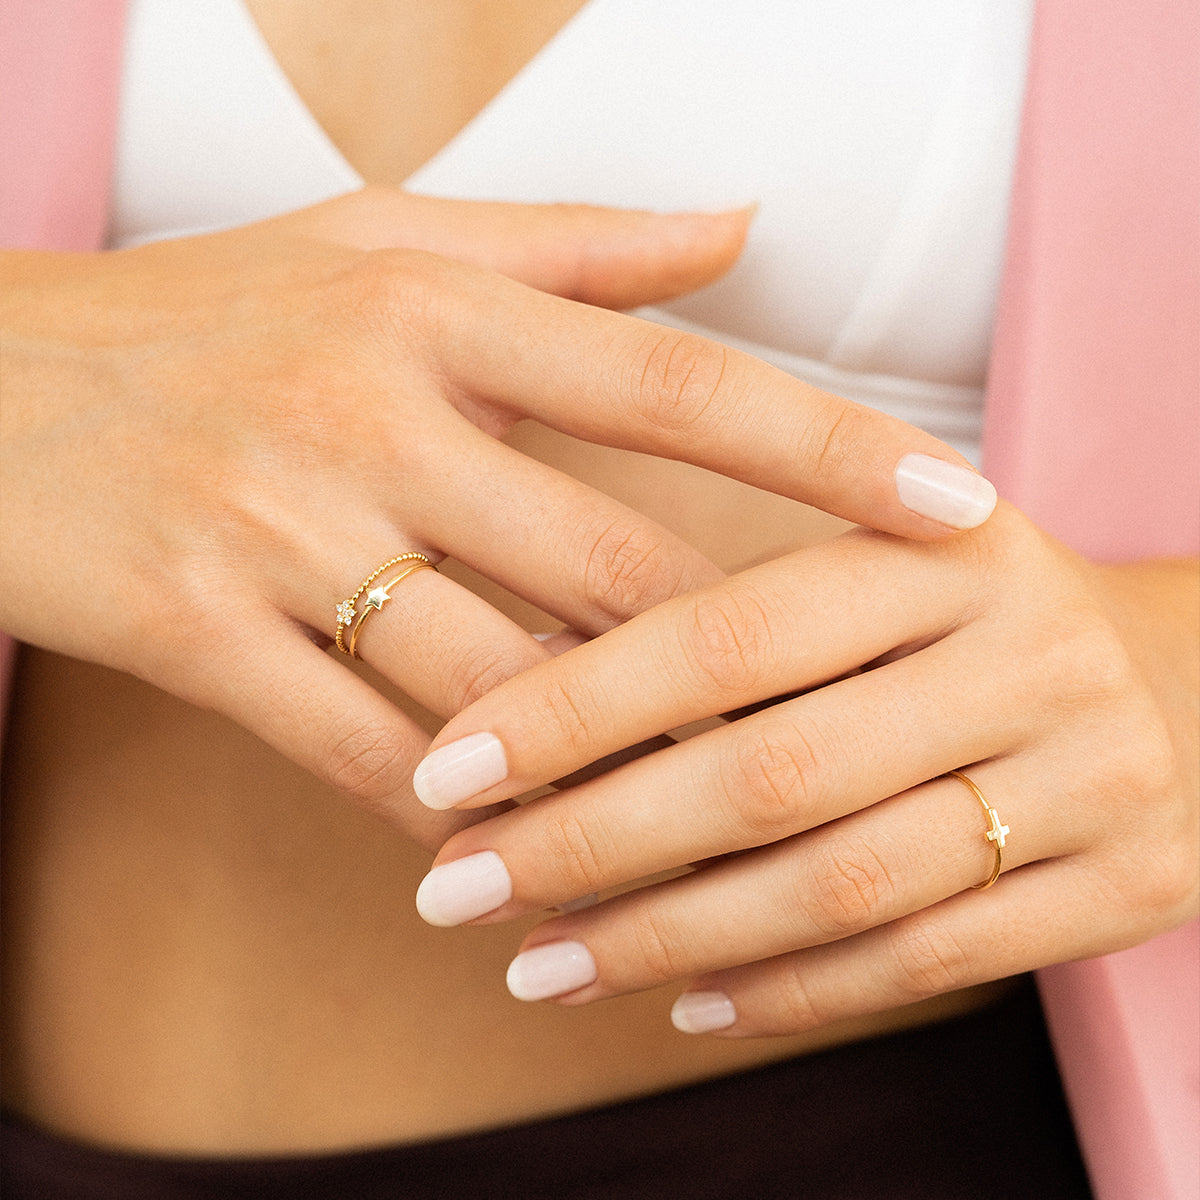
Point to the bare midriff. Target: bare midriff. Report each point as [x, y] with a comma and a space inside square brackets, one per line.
[208, 951]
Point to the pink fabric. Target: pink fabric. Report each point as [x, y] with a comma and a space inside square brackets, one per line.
[60, 69]
[1093, 412]
[1092, 415]
[59, 73]
[1093, 429]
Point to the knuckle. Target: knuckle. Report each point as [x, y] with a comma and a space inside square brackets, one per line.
[727, 637]
[768, 781]
[929, 961]
[1091, 664]
[1142, 761]
[1157, 885]
[848, 887]
[394, 291]
[577, 853]
[661, 949]
[362, 760]
[1167, 892]
[795, 1004]
[833, 437]
[563, 715]
[680, 378]
[628, 569]
[1174, 898]
[479, 670]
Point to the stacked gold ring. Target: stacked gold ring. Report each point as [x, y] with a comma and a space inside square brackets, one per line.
[348, 616]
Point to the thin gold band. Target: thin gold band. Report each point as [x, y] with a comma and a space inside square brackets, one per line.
[378, 597]
[996, 833]
[346, 610]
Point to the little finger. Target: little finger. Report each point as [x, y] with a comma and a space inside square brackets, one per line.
[286, 690]
[1044, 913]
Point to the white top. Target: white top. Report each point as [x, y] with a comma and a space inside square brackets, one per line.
[878, 138]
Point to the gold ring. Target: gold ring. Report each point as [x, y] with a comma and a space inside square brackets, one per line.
[996, 833]
[378, 597]
[347, 610]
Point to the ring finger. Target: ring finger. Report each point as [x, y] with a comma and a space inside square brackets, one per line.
[867, 870]
[437, 641]
[794, 767]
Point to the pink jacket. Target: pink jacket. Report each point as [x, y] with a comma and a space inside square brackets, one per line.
[1092, 417]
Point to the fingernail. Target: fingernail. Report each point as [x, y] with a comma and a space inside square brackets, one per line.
[703, 1012]
[943, 491]
[460, 770]
[464, 889]
[577, 905]
[551, 970]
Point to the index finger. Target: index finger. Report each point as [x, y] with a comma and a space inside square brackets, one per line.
[620, 381]
[784, 626]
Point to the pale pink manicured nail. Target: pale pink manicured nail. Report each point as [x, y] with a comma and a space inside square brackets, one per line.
[703, 1012]
[464, 889]
[462, 769]
[943, 491]
[551, 970]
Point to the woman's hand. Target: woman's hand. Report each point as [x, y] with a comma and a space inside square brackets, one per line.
[208, 443]
[834, 861]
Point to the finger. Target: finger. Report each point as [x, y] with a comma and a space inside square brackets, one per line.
[796, 767]
[565, 548]
[866, 870]
[445, 646]
[435, 640]
[617, 258]
[967, 939]
[792, 768]
[787, 625]
[569, 550]
[297, 699]
[618, 381]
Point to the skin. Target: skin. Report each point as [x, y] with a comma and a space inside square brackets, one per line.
[210, 941]
[849, 889]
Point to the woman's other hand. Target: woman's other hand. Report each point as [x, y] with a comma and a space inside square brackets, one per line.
[834, 860]
[209, 442]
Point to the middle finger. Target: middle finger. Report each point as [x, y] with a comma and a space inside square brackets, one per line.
[774, 774]
[790, 624]
[899, 857]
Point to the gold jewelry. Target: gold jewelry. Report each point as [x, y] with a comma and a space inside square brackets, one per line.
[346, 610]
[996, 832]
[378, 597]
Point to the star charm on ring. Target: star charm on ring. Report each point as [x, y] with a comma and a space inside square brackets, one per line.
[351, 620]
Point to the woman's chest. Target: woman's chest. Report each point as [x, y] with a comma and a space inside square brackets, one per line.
[392, 83]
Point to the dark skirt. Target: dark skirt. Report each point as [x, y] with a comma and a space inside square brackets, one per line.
[969, 1109]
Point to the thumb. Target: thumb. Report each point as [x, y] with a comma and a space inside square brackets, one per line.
[616, 258]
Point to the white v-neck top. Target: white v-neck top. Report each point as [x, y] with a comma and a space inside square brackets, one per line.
[877, 137]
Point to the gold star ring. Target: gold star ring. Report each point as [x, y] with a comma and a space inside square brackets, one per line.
[348, 615]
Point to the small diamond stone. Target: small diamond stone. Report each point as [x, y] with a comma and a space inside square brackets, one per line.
[345, 612]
